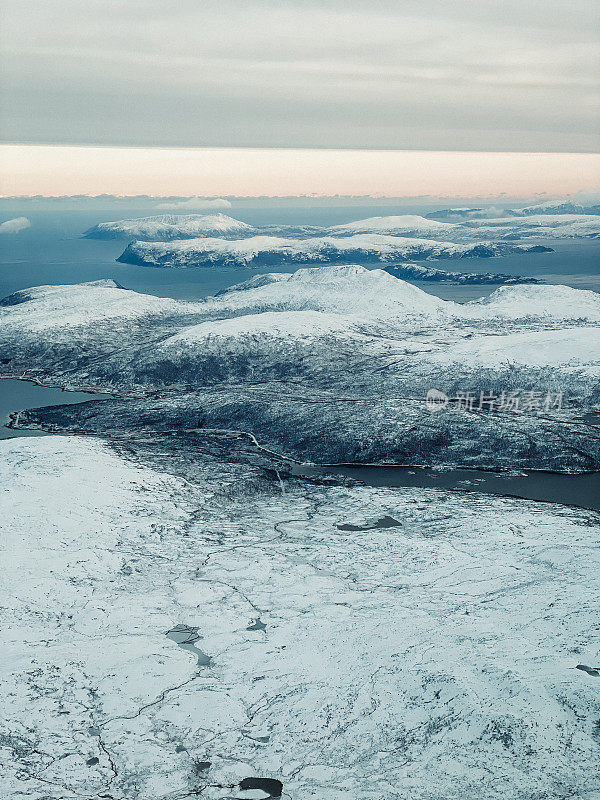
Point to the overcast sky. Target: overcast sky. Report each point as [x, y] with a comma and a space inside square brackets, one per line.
[516, 75]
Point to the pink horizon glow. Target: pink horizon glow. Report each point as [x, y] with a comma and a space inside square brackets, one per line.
[65, 170]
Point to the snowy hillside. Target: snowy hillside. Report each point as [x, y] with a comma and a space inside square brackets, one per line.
[255, 353]
[456, 214]
[558, 207]
[169, 226]
[551, 302]
[270, 250]
[568, 226]
[354, 290]
[47, 307]
[573, 349]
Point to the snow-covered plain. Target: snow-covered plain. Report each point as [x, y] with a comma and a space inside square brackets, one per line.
[448, 653]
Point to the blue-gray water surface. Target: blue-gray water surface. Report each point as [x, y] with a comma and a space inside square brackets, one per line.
[17, 395]
[53, 251]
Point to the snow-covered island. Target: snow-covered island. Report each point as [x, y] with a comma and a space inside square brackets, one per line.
[170, 226]
[418, 272]
[478, 230]
[472, 226]
[187, 612]
[254, 251]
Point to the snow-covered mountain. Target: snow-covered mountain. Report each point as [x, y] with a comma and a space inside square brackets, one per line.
[196, 603]
[169, 226]
[544, 302]
[567, 226]
[456, 214]
[47, 307]
[405, 225]
[348, 290]
[478, 228]
[330, 332]
[270, 250]
[558, 207]
[582, 203]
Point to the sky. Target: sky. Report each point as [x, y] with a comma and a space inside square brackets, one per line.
[484, 75]
[400, 75]
[248, 172]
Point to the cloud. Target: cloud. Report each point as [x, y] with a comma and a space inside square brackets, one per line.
[15, 225]
[196, 204]
[417, 74]
[587, 197]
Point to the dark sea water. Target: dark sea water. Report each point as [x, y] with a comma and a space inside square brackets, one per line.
[581, 490]
[16, 395]
[53, 252]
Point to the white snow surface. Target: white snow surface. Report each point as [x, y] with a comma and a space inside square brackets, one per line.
[574, 349]
[435, 659]
[282, 325]
[552, 302]
[589, 199]
[483, 228]
[533, 220]
[350, 290]
[80, 304]
[553, 226]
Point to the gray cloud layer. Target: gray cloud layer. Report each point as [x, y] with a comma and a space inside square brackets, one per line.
[433, 74]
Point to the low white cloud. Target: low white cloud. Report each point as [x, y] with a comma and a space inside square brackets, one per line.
[15, 225]
[588, 197]
[196, 204]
